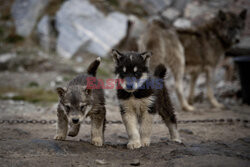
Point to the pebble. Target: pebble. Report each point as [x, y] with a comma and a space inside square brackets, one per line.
[135, 162]
[101, 162]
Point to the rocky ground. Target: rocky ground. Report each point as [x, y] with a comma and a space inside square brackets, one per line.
[27, 92]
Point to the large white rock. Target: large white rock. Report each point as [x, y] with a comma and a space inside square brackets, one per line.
[171, 14]
[82, 26]
[25, 14]
[43, 32]
[182, 23]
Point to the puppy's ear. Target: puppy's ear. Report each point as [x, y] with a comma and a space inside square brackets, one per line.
[146, 57]
[222, 15]
[61, 92]
[87, 90]
[116, 55]
[243, 14]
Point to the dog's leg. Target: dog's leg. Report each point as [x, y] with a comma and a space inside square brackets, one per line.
[97, 128]
[62, 126]
[74, 130]
[177, 65]
[146, 128]
[172, 127]
[171, 122]
[179, 90]
[194, 77]
[210, 92]
[130, 121]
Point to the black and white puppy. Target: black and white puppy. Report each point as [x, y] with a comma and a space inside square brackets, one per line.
[141, 96]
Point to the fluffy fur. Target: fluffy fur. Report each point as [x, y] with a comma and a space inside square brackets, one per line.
[199, 50]
[138, 104]
[76, 102]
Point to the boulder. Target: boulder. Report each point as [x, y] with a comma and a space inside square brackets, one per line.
[182, 23]
[171, 14]
[25, 14]
[43, 32]
[82, 27]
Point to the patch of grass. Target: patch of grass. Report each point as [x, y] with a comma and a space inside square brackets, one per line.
[103, 73]
[114, 3]
[6, 17]
[67, 78]
[14, 38]
[136, 9]
[53, 7]
[1, 32]
[33, 84]
[33, 95]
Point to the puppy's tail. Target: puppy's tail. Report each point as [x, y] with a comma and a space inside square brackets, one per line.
[93, 67]
[160, 71]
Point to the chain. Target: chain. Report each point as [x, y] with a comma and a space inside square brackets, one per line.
[53, 121]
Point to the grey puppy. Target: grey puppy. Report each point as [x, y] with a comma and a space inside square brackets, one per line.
[78, 101]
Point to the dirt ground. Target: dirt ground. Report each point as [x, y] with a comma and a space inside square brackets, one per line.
[204, 144]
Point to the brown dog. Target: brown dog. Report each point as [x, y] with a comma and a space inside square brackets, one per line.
[194, 50]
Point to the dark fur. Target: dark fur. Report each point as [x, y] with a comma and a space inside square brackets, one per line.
[78, 101]
[161, 102]
[193, 50]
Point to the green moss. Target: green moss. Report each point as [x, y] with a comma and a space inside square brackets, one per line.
[6, 17]
[33, 95]
[114, 3]
[1, 32]
[33, 84]
[136, 9]
[103, 73]
[68, 78]
[13, 38]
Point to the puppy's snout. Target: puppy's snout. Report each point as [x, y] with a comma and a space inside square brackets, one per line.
[75, 120]
[129, 85]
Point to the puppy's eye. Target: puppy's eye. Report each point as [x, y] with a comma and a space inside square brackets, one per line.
[67, 107]
[83, 107]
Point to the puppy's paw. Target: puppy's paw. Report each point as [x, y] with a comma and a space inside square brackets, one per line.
[145, 143]
[177, 140]
[97, 141]
[133, 145]
[60, 137]
[218, 105]
[188, 108]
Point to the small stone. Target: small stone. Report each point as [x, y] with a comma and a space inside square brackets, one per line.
[6, 57]
[182, 23]
[101, 162]
[10, 95]
[135, 162]
[59, 78]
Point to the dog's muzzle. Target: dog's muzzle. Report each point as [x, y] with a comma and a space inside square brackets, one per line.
[75, 120]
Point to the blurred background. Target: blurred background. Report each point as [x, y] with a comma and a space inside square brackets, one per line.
[44, 43]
